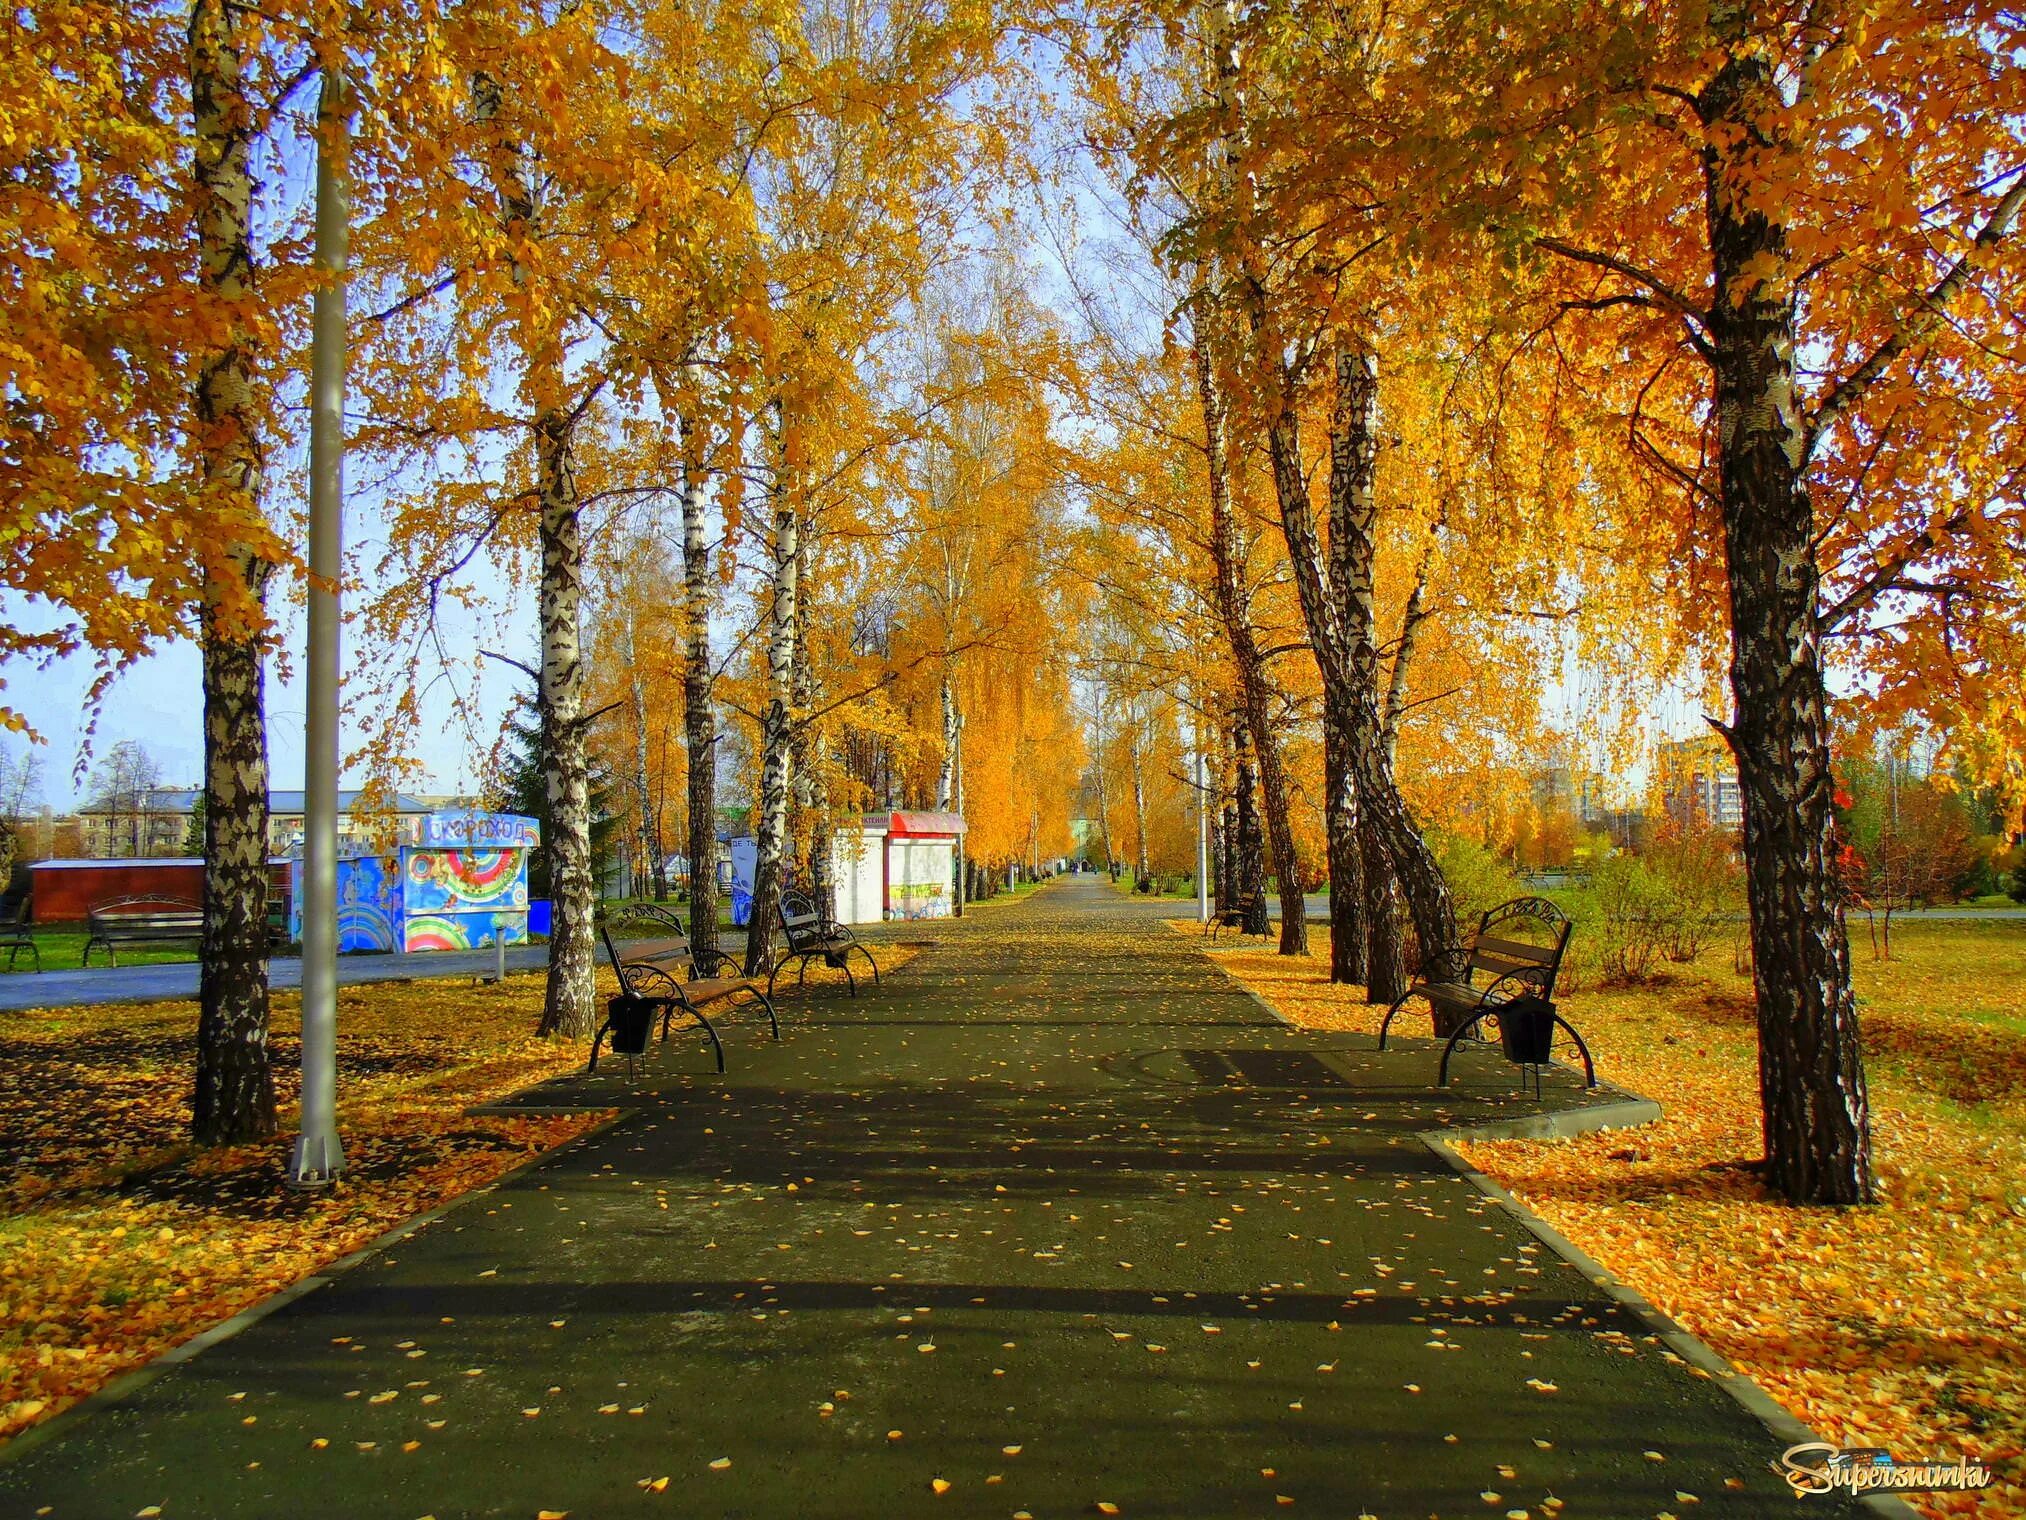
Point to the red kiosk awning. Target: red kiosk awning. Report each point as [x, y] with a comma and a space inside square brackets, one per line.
[926, 825]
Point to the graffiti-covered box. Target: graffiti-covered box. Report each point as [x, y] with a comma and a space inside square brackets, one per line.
[461, 886]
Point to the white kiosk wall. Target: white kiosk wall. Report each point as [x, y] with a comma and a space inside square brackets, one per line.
[858, 871]
[919, 873]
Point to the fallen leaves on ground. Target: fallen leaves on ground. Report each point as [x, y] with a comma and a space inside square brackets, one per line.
[1899, 1326]
[118, 1240]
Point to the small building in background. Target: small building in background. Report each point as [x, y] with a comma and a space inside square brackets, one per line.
[160, 822]
[66, 891]
[1699, 784]
[460, 884]
[893, 865]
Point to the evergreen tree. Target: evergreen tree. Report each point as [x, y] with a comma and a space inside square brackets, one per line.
[523, 789]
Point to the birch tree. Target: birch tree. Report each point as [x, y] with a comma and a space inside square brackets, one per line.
[234, 1098]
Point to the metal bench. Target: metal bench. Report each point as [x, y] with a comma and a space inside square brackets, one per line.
[1235, 916]
[1526, 1029]
[810, 934]
[1515, 967]
[672, 977]
[141, 921]
[16, 935]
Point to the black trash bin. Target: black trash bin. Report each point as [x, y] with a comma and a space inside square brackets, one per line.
[629, 1021]
[1526, 1030]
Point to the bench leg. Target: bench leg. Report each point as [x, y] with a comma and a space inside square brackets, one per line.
[1463, 1031]
[1589, 1067]
[868, 961]
[1387, 1022]
[717, 1045]
[597, 1040]
[768, 1004]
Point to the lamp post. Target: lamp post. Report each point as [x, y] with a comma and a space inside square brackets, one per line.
[319, 1157]
[1202, 780]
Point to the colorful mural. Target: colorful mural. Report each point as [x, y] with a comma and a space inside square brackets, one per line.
[464, 899]
[448, 881]
[465, 931]
[369, 904]
[464, 888]
[500, 831]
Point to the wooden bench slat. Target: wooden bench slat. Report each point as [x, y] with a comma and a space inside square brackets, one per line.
[716, 989]
[1539, 955]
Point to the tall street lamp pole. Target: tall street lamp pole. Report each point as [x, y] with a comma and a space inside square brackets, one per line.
[319, 1157]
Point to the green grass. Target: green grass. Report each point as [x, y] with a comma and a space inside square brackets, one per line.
[63, 950]
[1181, 892]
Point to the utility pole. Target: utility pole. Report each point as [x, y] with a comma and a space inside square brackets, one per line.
[961, 892]
[1202, 822]
[319, 1157]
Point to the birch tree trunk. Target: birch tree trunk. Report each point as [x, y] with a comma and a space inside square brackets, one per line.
[1249, 851]
[1350, 956]
[1385, 941]
[806, 751]
[1253, 689]
[650, 823]
[776, 733]
[1103, 814]
[1139, 797]
[1228, 887]
[946, 777]
[963, 891]
[570, 1006]
[569, 1003]
[1815, 1108]
[1338, 606]
[234, 1098]
[699, 719]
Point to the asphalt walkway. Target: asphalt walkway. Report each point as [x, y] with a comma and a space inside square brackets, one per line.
[1058, 1223]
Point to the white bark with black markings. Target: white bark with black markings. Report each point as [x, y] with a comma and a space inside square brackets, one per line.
[234, 1098]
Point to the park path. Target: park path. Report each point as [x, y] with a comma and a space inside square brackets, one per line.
[1060, 1219]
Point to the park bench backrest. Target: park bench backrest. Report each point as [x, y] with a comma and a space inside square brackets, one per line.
[650, 951]
[801, 923]
[1497, 952]
[123, 908]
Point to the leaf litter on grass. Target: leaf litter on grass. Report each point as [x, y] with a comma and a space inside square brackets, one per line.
[1901, 1326]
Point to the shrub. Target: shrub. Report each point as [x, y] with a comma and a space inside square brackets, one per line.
[1701, 885]
[1634, 919]
[1478, 879]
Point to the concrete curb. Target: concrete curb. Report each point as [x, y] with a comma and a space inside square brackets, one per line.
[127, 1384]
[1624, 1113]
[1697, 1353]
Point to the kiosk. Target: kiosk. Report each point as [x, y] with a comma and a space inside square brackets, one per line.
[462, 885]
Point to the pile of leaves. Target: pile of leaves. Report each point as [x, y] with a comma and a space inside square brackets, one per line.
[118, 1240]
[1899, 1326]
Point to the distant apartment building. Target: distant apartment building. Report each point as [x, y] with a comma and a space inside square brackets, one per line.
[1699, 783]
[157, 823]
[144, 825]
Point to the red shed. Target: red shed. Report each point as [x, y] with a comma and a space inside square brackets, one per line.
[67, 890]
